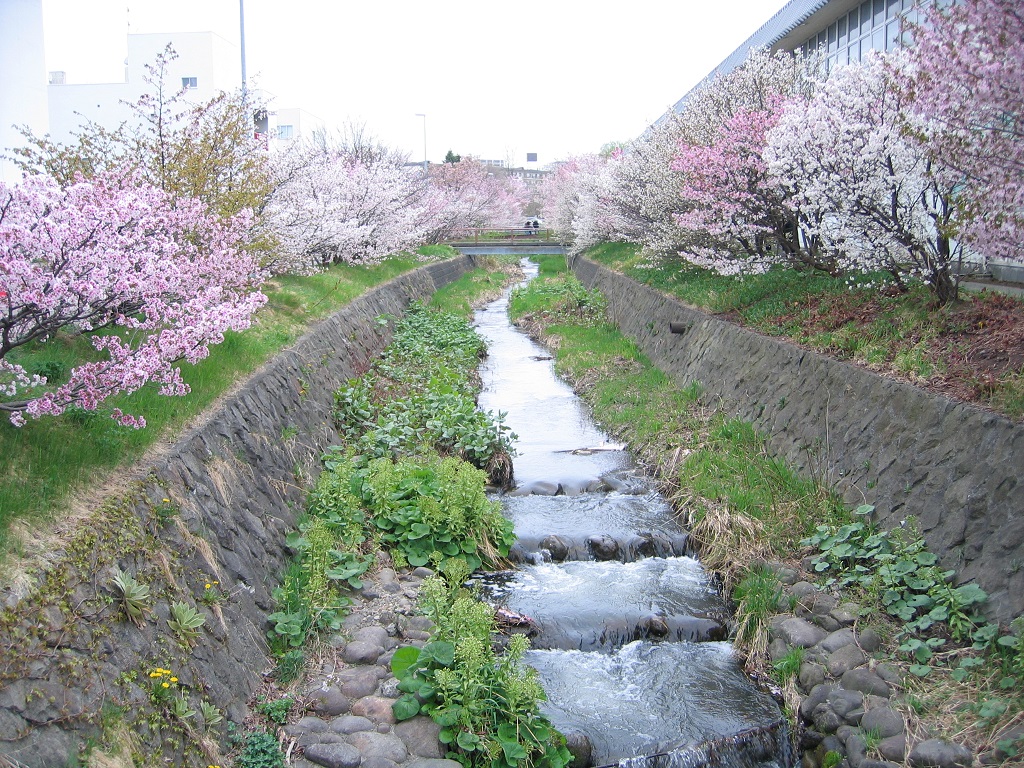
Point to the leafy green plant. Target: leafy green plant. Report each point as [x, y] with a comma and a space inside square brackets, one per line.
[897, 568]
[180, 708]
[261, 751]
[832, 759]
[135, 597]
[185, 621]
[212, 717]
[276, 710]
[486, 704]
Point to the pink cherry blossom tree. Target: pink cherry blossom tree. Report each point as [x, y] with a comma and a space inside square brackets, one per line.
[466, 193]
[860, 183]
[153, 280]
[334, 204]
[969, 82]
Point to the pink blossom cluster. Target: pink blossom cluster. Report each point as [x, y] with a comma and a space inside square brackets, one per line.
[907, 162]
[338, 203]
[469, 194]
[154, 281]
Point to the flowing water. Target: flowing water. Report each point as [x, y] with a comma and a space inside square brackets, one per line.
[627, 630]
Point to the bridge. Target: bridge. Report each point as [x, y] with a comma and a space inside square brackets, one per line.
[475, 241]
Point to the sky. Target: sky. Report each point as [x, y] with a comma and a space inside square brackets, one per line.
[495, 79]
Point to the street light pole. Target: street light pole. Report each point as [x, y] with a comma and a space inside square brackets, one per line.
[420, 114]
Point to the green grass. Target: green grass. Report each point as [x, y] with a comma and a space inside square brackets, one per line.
[43, 463]
[849, 317]
[488, 280]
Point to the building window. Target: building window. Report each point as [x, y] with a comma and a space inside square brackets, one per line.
[190, 82]
[285, 131]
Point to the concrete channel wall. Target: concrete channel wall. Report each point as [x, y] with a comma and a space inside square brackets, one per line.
[954, 467]
[214, 512]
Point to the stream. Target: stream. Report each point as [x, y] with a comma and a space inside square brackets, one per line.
[628, 632]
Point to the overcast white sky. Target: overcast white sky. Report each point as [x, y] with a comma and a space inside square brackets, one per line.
[495, 79]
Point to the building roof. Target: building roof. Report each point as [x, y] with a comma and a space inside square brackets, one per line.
[789, 17]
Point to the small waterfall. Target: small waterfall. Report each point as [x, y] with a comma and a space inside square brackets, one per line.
[766, 746]
[627, 630]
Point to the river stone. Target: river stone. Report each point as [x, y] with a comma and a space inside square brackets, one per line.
[838, 639]
[421, 736]
[375, 708]
[869, 763]
[818, 695]
[386, 745]
[557, 547]
[360, 681]
[580, 747]
[846, 658]
[350, 724]
[826, 719]
[536, 488]
[429, 762]
[869, 640]
[653, 626]
[389, 688]
[421, 623]
[823, 604]
[422, 572]
[893, 748]
[571, 488]
[360, 652]
[810, 739]
[330, 702]
[865, 681]
[333, 755]
[603, 547]
[885, 721]
[777, 649]
[856, 750]
[826, 622]
[846, 614]
[889, 673]
[936, 753]
[378, 762]
[387, 576]
[811, 674]
[306, 725]
[326, 737]
[373, 635]
[842, 701]
[800, 632]
[802, 589]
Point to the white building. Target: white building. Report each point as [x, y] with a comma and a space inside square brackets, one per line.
[206, 64]
[23, 98]
[51, 103]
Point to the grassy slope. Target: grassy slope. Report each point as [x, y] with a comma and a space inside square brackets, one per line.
[969, 350]
[45, 462]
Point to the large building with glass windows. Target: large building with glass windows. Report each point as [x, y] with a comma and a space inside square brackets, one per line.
[843, 30]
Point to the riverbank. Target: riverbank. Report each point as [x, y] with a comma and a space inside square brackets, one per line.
[748, 508]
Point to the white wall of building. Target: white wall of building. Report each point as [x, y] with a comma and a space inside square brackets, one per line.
[205, 56]
[23, 98]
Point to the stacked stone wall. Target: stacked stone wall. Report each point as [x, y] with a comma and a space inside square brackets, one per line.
[214, 510]
[954, 467]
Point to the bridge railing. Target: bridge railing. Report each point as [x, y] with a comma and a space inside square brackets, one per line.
[487, 235]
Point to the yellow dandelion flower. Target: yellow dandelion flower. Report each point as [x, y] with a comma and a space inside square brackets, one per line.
[207, 586]
[165, 685]
[174, 679]
[167, 501]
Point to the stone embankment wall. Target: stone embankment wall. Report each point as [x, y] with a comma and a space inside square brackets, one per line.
[206, 527]
[956, 468]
